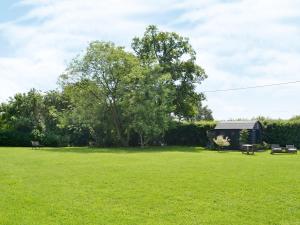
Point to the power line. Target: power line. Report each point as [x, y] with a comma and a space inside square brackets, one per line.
[251, 87]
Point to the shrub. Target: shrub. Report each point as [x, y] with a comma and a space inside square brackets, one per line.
[15, 138]
[244, 136]
[263, 146]
[221, 141]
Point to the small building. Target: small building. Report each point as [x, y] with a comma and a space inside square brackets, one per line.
[232, 129]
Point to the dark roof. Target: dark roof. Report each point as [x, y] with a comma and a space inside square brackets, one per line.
[236, 125]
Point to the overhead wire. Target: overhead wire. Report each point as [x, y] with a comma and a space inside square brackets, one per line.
[252, 87]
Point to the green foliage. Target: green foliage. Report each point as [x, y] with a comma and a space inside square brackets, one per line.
[190, 134]
[113, 97]
[263, 146]
[175, 56]
[34, 116]
[23, 112]
[295, 118]
[244, 137]
[87, 119]
[22, 119]
[148, 107]
[111, 89]
[101, 74]
[14, 138]
[282, 132]
[203, 113]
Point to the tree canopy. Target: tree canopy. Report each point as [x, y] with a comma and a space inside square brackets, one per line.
[175, 55]
[110, 95]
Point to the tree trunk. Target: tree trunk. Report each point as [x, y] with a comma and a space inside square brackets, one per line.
[117, 123]
[141, 140]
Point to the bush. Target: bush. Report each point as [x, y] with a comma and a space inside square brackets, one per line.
[55, 140]
[244, 136]
[263, 146]
[15, 138]
[222, 141]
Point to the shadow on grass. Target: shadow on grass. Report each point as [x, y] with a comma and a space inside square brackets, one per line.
[283, 153]
[87, 150]
[223, 151]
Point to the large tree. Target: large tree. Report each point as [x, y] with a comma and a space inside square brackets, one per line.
[89, 112]
[102, 70]
[123, 90]
[147, 105]
[175, 55]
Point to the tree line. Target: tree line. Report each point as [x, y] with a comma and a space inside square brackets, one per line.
[109, 95]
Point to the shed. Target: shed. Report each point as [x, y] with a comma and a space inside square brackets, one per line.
[232, 129]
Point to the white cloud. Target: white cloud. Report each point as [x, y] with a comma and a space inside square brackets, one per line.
[239, 43]
[247, 43]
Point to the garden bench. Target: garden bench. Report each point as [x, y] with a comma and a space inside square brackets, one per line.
[288, 149]
[35, 144]
[275, 148]
[291, 149]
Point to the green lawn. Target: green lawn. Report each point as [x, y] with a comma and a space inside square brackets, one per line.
[158, 186]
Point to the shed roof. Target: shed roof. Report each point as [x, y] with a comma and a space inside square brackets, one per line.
[236, 125]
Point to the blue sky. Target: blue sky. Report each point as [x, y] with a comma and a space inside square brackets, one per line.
[238, 42]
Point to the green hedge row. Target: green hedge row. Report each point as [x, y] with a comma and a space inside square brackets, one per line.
[15, 138]
[23, 139]
[190, 134]
[282, 132]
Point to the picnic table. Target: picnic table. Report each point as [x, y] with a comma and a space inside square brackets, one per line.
[249, 149]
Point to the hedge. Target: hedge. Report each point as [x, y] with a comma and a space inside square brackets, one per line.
[190, 134]
[14, 139]
[281, 132]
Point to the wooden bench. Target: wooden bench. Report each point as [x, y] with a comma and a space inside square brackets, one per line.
[275, 148]
[36, 144]
[291, 149]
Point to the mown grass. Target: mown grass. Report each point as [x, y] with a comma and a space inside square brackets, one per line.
[158, 186]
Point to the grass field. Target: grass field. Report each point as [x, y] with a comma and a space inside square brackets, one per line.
[158, 186]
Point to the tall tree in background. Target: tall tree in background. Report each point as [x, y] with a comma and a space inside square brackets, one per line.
[175, 56]
[203, 113]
